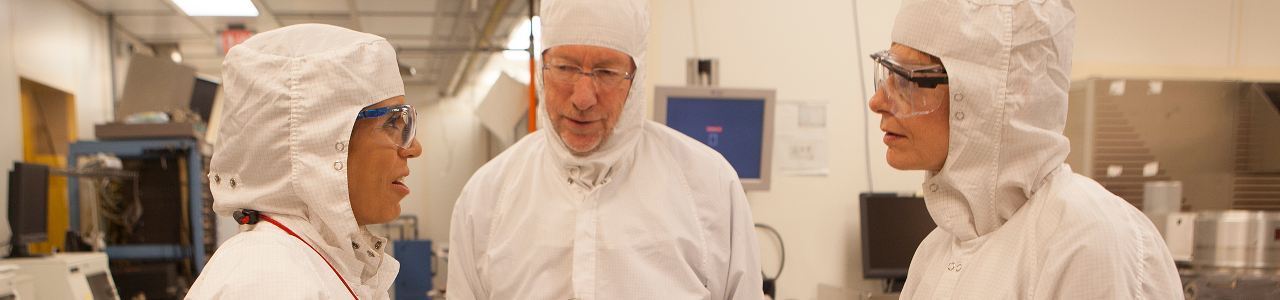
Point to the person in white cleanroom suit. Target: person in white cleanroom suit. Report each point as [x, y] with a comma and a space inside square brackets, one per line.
[1014, 222]
[315, 136]
[600, 203]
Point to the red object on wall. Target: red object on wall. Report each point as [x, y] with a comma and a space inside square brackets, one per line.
[233, 37]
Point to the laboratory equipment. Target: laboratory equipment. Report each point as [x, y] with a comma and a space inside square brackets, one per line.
[167, 243]
[736, 122]
[8, 282]
[893, 226]
[1238, 239]
[1179, 234]
[1121, 128]
[28, 206]
[65, 276]
[1236, 256]
[702, 72]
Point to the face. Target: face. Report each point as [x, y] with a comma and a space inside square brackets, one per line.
[585, 111]
[376, 171]
[917, 142]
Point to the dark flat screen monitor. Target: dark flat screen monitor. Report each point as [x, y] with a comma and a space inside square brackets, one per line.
[28, 205]
[203, 94]
[738, 123]
[892, 228]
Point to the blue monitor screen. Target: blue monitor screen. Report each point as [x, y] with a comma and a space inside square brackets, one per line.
[734, 127]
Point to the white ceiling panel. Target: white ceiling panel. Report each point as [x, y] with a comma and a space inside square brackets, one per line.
[198, 48]
[454, 6]
[340, 22]
[129, 6]
[152, 28]
[307, 6]
[396, 5]
[397, 26]
[444, 27]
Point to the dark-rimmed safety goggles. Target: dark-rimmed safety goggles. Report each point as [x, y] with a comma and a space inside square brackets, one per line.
[901, 80]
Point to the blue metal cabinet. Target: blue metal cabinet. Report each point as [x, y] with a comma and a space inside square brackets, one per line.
[414, 280]
[140, 149]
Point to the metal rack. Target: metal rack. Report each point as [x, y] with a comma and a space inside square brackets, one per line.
[146, 148]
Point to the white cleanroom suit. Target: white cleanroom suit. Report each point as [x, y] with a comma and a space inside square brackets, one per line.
[292, 96]
[653, 214]
[1014, 222]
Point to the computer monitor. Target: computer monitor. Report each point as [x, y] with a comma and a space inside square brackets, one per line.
[203, 94]
[28, 206]
[736, 122]
[892, 228]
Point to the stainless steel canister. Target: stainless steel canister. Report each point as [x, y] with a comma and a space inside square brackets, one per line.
[1237, 239]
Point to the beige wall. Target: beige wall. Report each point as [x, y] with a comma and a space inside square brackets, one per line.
[10, 111]
[1178, 39]
[60, 44]
[807, 52]
[56, 43]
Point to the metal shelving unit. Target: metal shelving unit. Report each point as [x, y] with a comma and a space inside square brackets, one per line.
[147, 148]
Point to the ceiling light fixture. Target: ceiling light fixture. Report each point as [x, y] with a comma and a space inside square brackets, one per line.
[217, 8]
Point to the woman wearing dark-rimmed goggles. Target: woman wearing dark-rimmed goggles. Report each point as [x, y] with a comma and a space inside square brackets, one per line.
[901, 78]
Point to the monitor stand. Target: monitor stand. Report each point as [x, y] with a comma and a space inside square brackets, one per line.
[21, 250]
[894, 285]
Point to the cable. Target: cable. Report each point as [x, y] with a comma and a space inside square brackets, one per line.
[866, 130]
[770, 284]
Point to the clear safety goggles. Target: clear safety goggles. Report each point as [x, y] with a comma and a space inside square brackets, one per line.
[396, 124]
[901, 79]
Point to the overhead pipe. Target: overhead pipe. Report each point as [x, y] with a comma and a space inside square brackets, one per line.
[495, 16]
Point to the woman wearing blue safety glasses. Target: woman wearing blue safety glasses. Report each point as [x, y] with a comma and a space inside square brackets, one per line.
[314, 145]
[381, 143]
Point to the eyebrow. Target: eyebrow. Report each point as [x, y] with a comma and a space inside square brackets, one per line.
[607, 63]
[557, 56]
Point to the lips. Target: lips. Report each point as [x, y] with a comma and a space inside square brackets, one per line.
[580, 121]
[890, 136]
[399, 184]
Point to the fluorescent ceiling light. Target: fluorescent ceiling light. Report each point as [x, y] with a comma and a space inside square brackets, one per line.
[217, 8]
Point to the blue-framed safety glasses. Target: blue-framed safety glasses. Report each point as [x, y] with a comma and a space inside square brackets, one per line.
[396, 124]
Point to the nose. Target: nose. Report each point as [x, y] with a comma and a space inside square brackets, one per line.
[584, 93]
[414, 150]
[879, 102]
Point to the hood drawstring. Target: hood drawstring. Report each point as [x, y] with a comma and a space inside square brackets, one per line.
[251, 217]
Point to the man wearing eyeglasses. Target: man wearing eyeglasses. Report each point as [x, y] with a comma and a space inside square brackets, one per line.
[600, 203]
[975, 93]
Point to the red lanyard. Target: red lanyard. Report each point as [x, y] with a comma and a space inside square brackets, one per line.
[326, 261]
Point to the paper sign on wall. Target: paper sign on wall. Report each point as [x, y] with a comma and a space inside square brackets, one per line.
[800, 139]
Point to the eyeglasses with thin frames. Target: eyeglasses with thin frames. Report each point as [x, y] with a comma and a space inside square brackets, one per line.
[561, 73]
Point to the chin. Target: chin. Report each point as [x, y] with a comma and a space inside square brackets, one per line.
[580, 147]
[902, 164]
